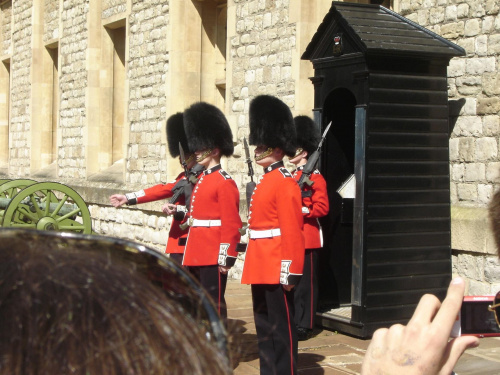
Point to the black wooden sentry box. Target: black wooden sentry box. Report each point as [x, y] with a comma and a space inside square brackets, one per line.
[382, 81]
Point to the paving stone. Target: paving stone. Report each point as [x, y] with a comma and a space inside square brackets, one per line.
[327, 352]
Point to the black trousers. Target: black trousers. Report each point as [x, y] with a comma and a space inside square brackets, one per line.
[214, 283]
[306, 291]
[276, 331]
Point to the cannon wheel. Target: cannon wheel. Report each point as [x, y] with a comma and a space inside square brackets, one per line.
[43, 206]
[9, 189]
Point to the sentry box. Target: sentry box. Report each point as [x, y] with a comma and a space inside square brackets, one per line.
[382, 80]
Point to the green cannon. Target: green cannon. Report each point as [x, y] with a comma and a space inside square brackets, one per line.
[44, 206]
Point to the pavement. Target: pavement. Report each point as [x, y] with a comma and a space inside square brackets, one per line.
[328, 352]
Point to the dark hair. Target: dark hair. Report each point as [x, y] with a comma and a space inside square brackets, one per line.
[64, 310]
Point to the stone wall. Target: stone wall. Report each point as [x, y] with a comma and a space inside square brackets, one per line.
[51, 20]
[145, 226]
[6, 28]
[474, 83]
[73, 83]
[475, 78]
[20, 111]
[147, 68]
[112, 7]
[481, 271]
[261, 56]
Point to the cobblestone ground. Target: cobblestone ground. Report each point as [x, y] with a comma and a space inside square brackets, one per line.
[328, 353]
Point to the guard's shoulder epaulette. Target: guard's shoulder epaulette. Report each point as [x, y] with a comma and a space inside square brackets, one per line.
[316, 172]
[224, 174]
[285, 172]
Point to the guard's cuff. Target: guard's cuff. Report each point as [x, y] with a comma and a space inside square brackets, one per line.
[132, 197]
[305, 210]
[224, 259]
[287, 278]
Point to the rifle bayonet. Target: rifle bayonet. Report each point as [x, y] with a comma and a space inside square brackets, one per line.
[183, 159]
[248, 160]
[312, 161]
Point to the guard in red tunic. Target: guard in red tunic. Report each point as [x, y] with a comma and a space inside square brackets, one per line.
[314, 205]
[275, 254]
[177, 236]
[214, 217]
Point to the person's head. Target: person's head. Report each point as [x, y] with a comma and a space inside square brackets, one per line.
[64, 310]
[177, 136]
[308, 138]
[271, 128]
[208, 132]
[208, 157]
[265, 156]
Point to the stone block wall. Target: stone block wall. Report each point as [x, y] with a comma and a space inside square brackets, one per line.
[145, 226]
[147, 67]
[6, 28]
[112, 7]
[474, 82]
[51, 20]
[20, 98]
[482, 272]
[73, 82]
[260, 52]
[475, 78]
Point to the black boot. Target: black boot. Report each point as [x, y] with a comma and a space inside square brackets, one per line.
[304, 334]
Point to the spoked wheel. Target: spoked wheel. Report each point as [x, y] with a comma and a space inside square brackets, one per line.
[8, 190]
[4, 181]
[48, 206]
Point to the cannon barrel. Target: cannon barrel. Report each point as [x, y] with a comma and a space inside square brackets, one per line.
[64, 210]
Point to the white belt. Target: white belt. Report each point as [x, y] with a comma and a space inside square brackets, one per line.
[254, 234]
[204, 223]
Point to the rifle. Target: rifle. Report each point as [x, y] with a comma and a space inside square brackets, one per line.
[311, 164]
[185, 186]
[251, 184]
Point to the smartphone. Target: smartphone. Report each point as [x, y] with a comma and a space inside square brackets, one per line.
[475, 319]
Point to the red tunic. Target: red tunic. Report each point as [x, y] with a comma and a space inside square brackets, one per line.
[313, 207]
[163, 191]
[276, 204]
[215, 199]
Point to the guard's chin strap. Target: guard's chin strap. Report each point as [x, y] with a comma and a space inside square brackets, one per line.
[265, 154]
[204, 155]
[190, 158]
[298, 152]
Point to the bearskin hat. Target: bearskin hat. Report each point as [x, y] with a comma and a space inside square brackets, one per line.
[207, 127]
[308, 135]
[271, 124]
[176, 134]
